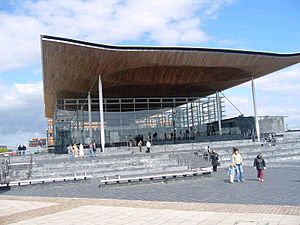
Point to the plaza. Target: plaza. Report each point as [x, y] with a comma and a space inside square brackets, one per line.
[194, 201]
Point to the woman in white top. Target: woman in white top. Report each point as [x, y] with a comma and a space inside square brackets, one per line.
[148, 145]
[81, 153]
[237, 160]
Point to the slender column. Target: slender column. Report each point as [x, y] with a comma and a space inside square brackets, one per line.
[102, 135]
[219, 109]
[255, 113]
[90, 116]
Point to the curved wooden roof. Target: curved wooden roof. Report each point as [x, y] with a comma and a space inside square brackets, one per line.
[70, 68]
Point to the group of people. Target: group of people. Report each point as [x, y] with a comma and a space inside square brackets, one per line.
[235, 171]
[140, 144]
[21, 150]
[76, 152]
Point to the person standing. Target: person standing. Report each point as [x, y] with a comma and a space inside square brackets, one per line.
[91, 150]
[94, 149]
[214, 160]
[260, 165]
[237, 160]
[70, 151]
[81, 152]
[148, 145]
[75, 150]
[140, 144]
[231, 173]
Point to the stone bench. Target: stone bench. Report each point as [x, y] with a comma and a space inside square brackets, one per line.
[157, 177]
[46, 180]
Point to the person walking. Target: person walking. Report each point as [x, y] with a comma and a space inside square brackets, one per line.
[260, 165]
[214, 160]
[237, 161]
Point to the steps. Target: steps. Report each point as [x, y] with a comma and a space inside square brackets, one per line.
[162, 159]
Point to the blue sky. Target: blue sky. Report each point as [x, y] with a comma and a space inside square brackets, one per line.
[261, 25]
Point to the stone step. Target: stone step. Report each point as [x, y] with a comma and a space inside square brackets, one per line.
[101, 173]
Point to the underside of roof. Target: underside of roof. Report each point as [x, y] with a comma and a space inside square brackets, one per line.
[71, 69]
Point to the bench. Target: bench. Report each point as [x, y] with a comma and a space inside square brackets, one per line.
[45, 180]
[155, 177]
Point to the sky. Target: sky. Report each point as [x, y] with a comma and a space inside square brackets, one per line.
[260, 25]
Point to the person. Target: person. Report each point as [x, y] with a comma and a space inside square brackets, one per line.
[214, 160]
[148, 145]
[81, 152]
[19, 150]
[24, 149]
[91, 150]
[94, 149]
[231, 172]
[70, 151]
[140, 145]
[237, 160]
[75, 150]
[260, 165]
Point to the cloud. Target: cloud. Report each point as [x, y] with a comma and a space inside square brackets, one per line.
[166, 22]
[286, 81]
[276, 95]
[21, 113]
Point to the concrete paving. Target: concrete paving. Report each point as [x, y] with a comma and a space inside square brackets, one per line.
[207, 201]
[99, 211]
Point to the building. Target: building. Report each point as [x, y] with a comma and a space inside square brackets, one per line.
[271, 124]
[107, 94]
[50, 133]
[38, 142]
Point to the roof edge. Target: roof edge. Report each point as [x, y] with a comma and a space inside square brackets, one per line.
[163, 48]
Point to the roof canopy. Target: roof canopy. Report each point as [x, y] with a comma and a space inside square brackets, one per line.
[70, 68]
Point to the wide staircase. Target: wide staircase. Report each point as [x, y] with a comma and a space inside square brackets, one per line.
[124, 161]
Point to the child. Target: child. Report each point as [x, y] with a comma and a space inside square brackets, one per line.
[260, 164]
[231, 172]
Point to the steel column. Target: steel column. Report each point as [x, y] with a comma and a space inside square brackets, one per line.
[219, 109]
[102, 134]
[90, 116]
[255, 113]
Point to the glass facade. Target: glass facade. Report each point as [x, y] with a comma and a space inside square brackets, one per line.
[171, 118]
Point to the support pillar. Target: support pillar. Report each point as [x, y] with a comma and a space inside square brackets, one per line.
[102, 134]
[90, 117]
[255, 113]
[219, 109]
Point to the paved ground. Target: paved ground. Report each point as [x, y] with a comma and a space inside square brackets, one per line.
[101, 211]
[281, 187]
[207, 201]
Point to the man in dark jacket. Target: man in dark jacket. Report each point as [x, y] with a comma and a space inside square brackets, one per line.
[259, 164]
[214, 160]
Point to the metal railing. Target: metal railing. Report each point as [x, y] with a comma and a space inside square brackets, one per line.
[4, 169]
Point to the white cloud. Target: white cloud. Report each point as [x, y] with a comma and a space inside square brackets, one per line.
[286, 81]
[21, 113]
[277, 94]
[166, 22]
[20, 96]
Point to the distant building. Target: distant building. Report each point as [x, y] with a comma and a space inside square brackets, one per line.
[35, 142]
[271, 124]
[245, 126]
